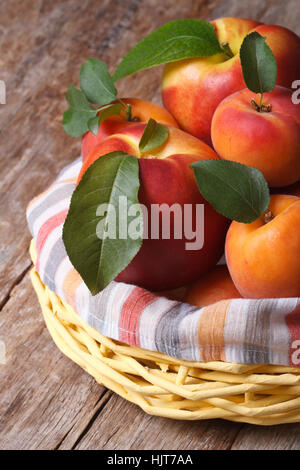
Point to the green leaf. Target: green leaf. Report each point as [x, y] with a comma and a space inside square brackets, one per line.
[236, 191]
[96, 82]
[110, 110]
[176, 40]
[106, 112]
[95, 240]
[75, 119]
[258, 64]
[154, 136]
[93, 125]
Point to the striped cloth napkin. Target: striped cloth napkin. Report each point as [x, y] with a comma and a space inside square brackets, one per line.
[264, 331]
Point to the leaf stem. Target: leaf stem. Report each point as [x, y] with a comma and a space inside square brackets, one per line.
[260, 100]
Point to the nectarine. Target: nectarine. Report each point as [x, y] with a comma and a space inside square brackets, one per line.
[269, 141]
[166, 179]
[193, 88]
[212, 287]
[263, 257]
[141, 111]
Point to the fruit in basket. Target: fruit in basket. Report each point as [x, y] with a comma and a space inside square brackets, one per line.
[150, 164]
[212, 287]
[166, 178]
[263, 256]
[193, 88]
[267, 139]
[140, 111]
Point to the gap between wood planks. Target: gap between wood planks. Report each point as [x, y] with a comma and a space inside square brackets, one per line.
[103, 400]
[100, 404]
[14, 284]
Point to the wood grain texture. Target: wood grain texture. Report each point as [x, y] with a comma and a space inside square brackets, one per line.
[43, 396]
[46, 401]
[284, 437]
[131, 429]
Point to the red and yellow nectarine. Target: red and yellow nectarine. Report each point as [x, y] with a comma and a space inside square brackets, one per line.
[193, 88]
[269, 141]
[141, 111]
[166, 178]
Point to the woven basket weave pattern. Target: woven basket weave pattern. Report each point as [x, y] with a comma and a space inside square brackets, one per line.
[164, 386]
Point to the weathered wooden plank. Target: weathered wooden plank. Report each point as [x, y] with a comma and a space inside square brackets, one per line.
[282, 437]
[267, 11]
[44, 396]
[122, 425]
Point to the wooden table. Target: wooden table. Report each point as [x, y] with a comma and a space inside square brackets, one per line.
[46, 401]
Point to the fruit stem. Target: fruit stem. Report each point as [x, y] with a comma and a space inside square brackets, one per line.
[127, 111]
[267, 217]
[227, 50]
[261, 108]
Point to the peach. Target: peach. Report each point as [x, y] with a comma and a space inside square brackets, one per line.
[166, 178]
[263, 257]
[269, 141]
[212, 287]
[193, 88]
[141, 111]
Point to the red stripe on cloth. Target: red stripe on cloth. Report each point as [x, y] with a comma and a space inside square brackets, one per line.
[130, 315]
[293, 323]
[46, 229]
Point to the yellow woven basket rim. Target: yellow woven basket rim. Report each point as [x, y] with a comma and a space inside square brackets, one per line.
[164, 386]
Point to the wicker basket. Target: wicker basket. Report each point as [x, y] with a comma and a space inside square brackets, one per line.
[164, 386]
